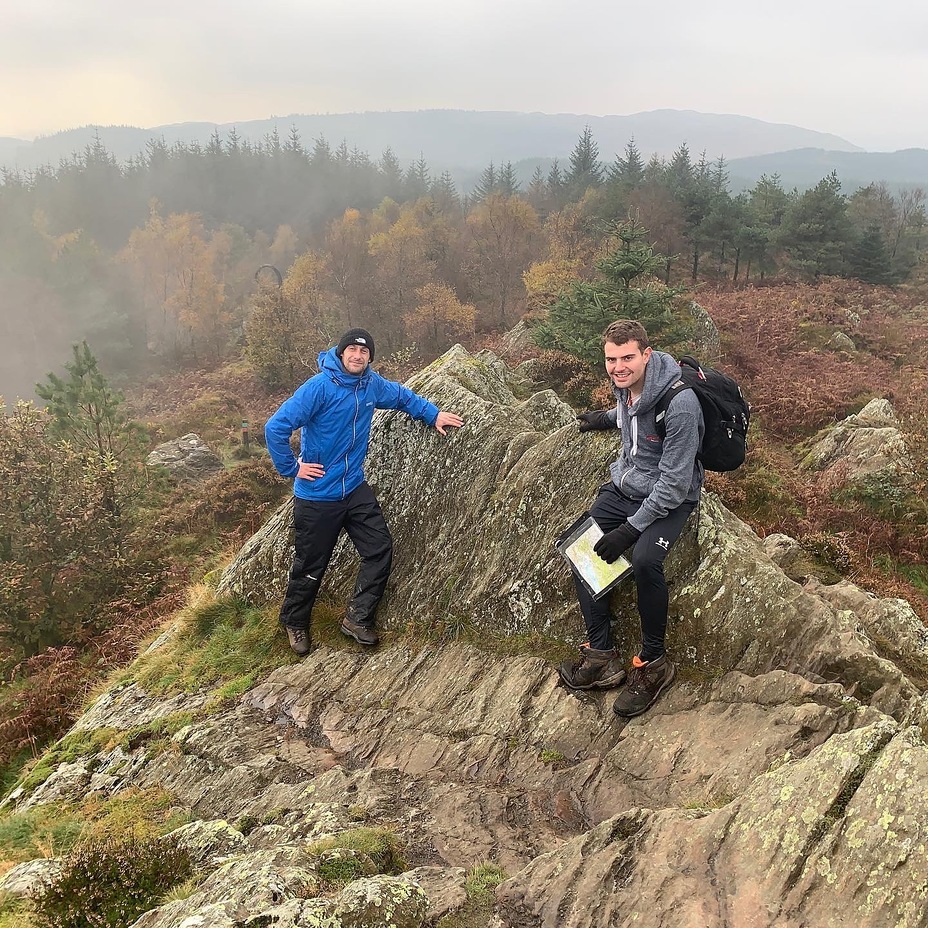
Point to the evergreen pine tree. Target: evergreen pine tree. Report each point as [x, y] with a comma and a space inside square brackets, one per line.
[628, 172]
[816, 231]
[506, 183]
[869, 258]
[416, 183]
[557, 188]
[625, 288]
[487, 184]
[585, 168]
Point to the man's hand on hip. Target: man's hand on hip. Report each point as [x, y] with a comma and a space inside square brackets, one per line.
[615, 543]
[446, 419]
[310, 471]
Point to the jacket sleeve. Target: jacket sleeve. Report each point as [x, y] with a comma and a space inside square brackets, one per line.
[392, 395]
[294, 413]
[681, 444]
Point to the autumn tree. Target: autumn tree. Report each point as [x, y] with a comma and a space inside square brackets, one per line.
[573, 240]
[172, 264]
[503, 238]
[69, 477]
[289, 324]
[439, 318]
[350, 265]
[402, 264]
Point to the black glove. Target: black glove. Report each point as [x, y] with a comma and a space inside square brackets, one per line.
[615, 543]
[596, 419]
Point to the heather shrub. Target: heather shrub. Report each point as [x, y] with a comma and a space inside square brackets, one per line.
[569, 376]
[776, 340]
[110, 883]
[234, 504]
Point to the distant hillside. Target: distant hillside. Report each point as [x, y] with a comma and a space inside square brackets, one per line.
[459, 139]
[805, 167]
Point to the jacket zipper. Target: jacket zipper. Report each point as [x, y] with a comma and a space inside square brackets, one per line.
[354, 436]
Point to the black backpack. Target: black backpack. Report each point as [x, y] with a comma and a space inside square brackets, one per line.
[724, 409]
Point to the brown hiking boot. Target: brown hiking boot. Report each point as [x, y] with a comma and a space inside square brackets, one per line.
[299, 640]
[599, 670]
[646, 681]
[363, 634]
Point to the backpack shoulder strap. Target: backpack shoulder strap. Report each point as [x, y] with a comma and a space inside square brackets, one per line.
[663, 403]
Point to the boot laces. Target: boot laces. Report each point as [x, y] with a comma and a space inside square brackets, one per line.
[637, 681]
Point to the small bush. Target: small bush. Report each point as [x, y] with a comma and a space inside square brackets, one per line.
[380, 845]
[109, 884]
[340, 866]
[482, 880]
[569, 376]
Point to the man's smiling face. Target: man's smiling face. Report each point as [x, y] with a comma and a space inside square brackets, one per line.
[355, 359]
[625, 365]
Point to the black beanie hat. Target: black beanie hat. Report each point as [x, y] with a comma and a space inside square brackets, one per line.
[356, 337]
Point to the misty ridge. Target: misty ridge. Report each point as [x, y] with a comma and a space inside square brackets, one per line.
[463, 142]
[151, 257]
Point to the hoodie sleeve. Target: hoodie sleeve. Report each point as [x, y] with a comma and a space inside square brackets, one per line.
[294, 413]
[392, 395]
[684, 425]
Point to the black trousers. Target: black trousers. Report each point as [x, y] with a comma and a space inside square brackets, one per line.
[610, 509]
[317, 526]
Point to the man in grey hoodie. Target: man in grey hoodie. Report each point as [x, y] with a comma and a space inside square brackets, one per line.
[655, 486]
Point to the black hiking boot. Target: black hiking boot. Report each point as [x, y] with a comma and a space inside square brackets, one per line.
[594, 670]
[299, 640]
[363, 634]
[646, 681]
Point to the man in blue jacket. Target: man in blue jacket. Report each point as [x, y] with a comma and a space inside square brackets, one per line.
[655, 486]
[334, 410]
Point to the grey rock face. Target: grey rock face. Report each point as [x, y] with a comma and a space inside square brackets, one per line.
[797, 848]
[517, 473]
[517, 342]
[209, 842]
[868, 447]
[706, 335]
[381, 900]
[30, 878]
[841, 342]
[186, 458]
[779, 782]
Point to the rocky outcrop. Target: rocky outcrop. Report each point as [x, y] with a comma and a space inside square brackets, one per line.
[518, 473]
[867, 448]
[706, 338]
[742, 800]
[779, 782]
[186, 458]
[30, 878]
[827, 840]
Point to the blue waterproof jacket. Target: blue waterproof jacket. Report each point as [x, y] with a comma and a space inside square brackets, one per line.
[334, 410]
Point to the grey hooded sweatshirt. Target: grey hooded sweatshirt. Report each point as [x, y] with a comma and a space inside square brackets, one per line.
[662, 473]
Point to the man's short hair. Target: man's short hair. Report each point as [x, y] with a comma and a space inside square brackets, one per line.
[626, 330]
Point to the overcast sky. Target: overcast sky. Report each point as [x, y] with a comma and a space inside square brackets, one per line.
[855, 69]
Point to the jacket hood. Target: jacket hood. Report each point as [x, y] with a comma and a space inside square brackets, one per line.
[331, 364]
[661, 371]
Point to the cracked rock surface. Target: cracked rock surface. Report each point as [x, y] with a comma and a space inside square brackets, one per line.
[779, 782]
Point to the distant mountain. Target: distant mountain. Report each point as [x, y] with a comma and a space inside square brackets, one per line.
[465, 142]
[805, 167]
[458, 139]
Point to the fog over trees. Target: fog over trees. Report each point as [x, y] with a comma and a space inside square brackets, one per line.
[152, 261]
